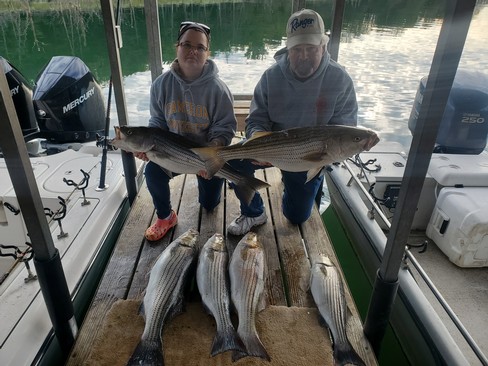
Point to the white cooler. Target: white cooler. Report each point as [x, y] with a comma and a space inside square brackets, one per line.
[459, 225]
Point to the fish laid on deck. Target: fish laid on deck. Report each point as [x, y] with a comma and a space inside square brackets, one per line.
[213, 284]
[328, 293]
[247, 275]
[172, 152]
[164, 297]
[294, 150]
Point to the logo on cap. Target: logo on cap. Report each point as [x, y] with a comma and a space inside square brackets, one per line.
[303, 23]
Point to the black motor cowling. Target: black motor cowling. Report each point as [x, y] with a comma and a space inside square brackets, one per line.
[21, 92]
[464, 125]
[68, 101]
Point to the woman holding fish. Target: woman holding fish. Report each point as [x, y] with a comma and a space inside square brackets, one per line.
[304, 88]
[191, 100]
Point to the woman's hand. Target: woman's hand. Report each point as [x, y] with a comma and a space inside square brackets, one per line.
[203, 173]
[141, 155]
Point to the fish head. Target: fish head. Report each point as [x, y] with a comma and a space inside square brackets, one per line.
[371, 140]
[216, 243]
[248, 243]
[354, 140]
[133, 138]
[188, 238]
[251, 240]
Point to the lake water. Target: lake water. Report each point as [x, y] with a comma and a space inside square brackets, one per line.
[386, 65]
[385, 47]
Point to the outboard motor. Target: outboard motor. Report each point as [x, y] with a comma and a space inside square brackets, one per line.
[21, 93]
[68, 101]
[464, 125]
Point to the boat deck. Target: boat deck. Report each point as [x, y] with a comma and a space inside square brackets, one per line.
[289, 251]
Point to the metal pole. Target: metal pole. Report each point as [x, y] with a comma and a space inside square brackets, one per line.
[113, 44]
[153, 38]
[444, 66]
[297, 5]
[46, 257]
[335, 33]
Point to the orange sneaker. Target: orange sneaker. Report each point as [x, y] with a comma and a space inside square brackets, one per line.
[159, 229]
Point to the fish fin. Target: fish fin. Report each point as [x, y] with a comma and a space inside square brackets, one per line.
[148, 353]
[227, 340]
[142, 309]
[323, 323]
[261, 302]
[206, 308]
[313, 172]
[213, 163]
[257, 134]
[344, 354]
[315, 157]
[248, 186]
[252, 182]
[254, 348]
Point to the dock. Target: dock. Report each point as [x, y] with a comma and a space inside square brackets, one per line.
[289, 250]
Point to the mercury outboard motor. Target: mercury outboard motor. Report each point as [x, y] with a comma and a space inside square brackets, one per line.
[21, 92]
[68, 101]
[464, 125]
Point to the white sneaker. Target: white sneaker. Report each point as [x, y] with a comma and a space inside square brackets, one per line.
[243, 224]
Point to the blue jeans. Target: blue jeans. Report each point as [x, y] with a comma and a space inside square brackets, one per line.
[298, 196]
[157, 181]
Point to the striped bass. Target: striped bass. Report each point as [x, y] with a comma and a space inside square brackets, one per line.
[294, 150]
[213, 284]
[163, 299]
[328, 293]
[172, 152]
[247, 275]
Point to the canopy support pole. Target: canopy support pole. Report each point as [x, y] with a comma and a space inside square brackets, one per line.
[443, 70]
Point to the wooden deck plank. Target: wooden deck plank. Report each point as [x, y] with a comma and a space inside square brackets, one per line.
[288, 251]
[294, 262]
[117, 275]
[151, 250]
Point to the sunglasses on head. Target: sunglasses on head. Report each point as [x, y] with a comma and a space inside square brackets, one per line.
[184, 26]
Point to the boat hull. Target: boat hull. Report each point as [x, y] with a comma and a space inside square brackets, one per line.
[421, 332]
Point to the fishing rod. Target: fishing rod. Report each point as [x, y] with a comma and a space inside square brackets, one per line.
[103, 166]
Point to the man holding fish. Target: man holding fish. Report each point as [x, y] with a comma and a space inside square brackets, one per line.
[304, 88]
[192, 101]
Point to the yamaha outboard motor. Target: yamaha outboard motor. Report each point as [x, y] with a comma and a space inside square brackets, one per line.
[21, 93]
[464, 125]
[68, 101]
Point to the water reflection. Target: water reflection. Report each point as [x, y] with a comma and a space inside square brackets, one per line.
[30, 39]
[386, 47]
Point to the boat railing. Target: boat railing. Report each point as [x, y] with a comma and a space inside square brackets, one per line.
[376, 210]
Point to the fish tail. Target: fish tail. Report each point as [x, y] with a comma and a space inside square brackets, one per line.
[213, 162]
[344, 354]
[148, 353]
[227, 340]
[237, 355]
[254, 348]
[248, 186]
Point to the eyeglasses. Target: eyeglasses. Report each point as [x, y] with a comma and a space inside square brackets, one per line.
[184, 26]
[188, 47]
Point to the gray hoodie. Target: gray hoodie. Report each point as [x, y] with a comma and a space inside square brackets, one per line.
[281, 101]
[201, 110]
